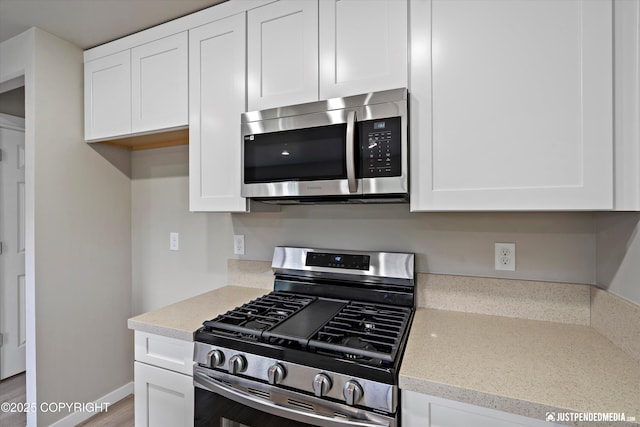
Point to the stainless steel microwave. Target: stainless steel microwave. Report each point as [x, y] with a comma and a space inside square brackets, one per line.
[342, 150]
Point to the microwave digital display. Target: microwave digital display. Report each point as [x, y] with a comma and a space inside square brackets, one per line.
[378, 125]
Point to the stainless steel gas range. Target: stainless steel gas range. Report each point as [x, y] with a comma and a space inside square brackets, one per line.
[323, 348]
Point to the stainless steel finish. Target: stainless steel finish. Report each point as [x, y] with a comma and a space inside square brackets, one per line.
[379, 396]
[390, 267]
[352, 392]
[286, 403]
[351, 160]
[373, 98]
[237, 364]
[216, 358]
[375, 105]
[276, 374]
[321, 385]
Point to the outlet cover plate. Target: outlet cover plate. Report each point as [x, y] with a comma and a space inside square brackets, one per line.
[505, 256]
[238, 244]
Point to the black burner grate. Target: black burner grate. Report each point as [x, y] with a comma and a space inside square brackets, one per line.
[364, 330]
[260, 314]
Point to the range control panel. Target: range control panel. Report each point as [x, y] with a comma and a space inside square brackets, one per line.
[381, 147]
[353, 262]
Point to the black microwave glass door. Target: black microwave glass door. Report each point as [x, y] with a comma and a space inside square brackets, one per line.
[309, 154]
[213, 410]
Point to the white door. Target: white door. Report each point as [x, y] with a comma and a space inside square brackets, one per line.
[12, 267]
[159, 87]
[217, 98]
[363, 46]
[282, 54]
[511, 105]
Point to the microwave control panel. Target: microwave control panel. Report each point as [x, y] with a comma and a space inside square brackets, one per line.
[381, 147]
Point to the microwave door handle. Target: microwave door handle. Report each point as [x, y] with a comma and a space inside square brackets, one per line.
[207, 383]
[350, 155]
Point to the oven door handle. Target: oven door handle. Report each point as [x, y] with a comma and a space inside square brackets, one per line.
[350, 155]
[211, 384]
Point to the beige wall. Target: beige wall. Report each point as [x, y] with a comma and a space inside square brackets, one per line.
[550, 246]
[12, 102]
[159, 190]
[82, 242]
[78, 227]
[618, 253]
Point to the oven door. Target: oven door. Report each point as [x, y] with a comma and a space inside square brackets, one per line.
[224, 400]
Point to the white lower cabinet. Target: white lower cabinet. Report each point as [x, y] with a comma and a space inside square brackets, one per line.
[422, 410]
[163, 377]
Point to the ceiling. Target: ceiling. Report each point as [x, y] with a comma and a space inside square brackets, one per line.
[88, 23]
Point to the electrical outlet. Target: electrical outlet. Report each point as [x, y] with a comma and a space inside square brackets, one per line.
[174, 241]
[505, 256]
[238, 244]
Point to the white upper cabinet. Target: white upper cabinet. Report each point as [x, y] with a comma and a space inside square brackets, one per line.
[363, 46]
[627, 104]
[511, 105]
[301, 50]
[143, 89]
[107, 94]
[217, 98]
[159, 84]
[282, 54]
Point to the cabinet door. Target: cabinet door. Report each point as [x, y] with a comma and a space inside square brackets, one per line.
[164, 352]
[511, 105]
[363, 46]
[217, 98]
[107, 96]
[421, 410]
[162, 398]
[282, 54]
[159, 84]
[626, 25]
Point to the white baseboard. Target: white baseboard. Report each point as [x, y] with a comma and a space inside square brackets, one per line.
[77, 417]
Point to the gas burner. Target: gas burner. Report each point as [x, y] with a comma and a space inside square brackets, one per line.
[279, 314]
[356, 343]
[257, 325]
[368, 326]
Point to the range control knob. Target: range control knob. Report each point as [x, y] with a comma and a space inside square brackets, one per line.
[321, 385]
[276, 374]
[216, 358]
[352, 392]
[237, 364]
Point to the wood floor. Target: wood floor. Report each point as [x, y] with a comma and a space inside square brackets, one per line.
[13, 389]
[119, 414]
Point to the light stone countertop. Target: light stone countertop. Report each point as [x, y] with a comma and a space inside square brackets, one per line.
[521, 366]
[526, 367]
[182, 319]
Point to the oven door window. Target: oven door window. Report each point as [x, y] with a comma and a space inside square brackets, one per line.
[309, 154]
[213, 410]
